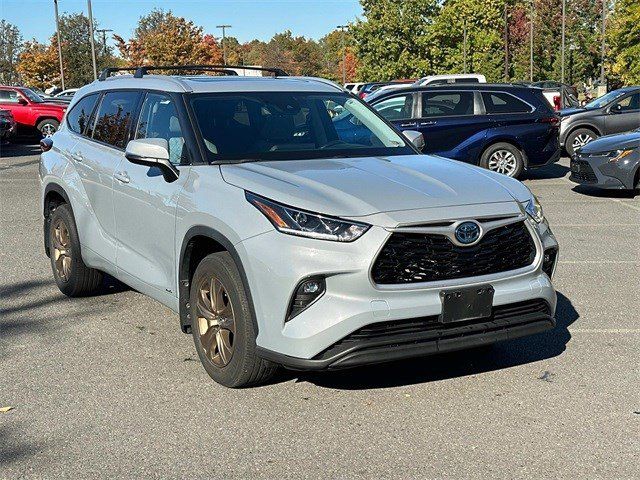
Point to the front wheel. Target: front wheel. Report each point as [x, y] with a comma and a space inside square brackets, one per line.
[503, 158]
[578, 139]
[222, 324]
[48, 127]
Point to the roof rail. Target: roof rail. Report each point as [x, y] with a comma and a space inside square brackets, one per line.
[141, 71]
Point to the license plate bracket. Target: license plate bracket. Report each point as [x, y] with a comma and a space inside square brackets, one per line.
[470, 303]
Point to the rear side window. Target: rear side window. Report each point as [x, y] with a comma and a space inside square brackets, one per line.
[78, 117]
[114, 117]
[9, 96]
[396, 108]
[499, 102]
[441, 104]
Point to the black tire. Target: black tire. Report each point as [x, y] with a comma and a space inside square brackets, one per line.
[244, 368]
[577, 137]
[48, 127]
[511, 153]
[79, 279]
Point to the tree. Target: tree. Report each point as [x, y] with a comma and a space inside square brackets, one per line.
[10, 46]
[395, 39]
[161, 38]
[624, 40]
[331, 46]
[38, 65]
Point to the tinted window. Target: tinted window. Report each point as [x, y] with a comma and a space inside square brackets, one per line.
[78, 116]
[292, 125]
[31, 95]
[114, 117]
[466, 80]
[630, 103]
[396, 108]
[498, 102]
[436, 104]
[8, 96]
[159, 119]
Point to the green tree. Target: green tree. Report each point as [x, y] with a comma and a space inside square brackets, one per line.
[395, 39]
[10, 46]
[335, 46]
[624, 41]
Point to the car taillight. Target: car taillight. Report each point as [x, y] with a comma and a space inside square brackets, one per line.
[362, 95]
[557, 103]
[554, 121]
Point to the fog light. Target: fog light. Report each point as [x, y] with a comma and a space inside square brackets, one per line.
[549, 261]
[307, 292]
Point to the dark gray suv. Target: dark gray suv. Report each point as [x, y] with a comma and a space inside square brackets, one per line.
[617, 111]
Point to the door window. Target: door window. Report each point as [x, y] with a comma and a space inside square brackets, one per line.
[9, 96]
[628, 104]
[396, 108]
[441, 104]
[78, 116]
[159, 119]
[500, 102]
[114, 118]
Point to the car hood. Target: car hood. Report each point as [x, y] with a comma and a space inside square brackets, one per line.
[51, 106]
[608, 143]
[565, 112]
[357, 187]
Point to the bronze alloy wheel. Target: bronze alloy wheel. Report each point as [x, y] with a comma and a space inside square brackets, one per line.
[216, 321]
[62, 250]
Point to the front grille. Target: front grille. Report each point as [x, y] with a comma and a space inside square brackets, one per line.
[582, 172]
[419, 257]
[429, 329]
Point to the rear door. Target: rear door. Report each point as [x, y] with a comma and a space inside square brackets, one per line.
[624, 115]
[96, 157]
[449, 122]
[145, 203]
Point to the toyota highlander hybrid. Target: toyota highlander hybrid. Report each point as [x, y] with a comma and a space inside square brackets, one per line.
[281, 240]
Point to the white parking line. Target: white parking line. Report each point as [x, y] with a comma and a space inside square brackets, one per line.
[604, 330]
[634, 262]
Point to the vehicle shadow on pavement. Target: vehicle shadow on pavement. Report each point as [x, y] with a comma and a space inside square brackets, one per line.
[604, 193]
[456, 364]
[22, 149]
[13, 448]
[548, 172]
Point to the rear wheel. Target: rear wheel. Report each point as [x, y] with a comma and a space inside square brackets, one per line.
[503, 158]
[48, 127]
[578, 139]
[222, 324]
[72, 276]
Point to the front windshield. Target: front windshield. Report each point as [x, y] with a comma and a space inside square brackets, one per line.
[292, 125]
[604, 100]
[31, 95]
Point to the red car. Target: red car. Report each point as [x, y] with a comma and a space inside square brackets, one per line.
[30, 110]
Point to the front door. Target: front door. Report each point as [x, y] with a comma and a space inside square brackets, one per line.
[10, 100]
[624, 115]
[145, 203]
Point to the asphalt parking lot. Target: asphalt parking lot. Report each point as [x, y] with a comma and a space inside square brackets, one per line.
[108, 386]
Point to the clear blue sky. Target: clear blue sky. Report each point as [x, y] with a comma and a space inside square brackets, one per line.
[250, 18]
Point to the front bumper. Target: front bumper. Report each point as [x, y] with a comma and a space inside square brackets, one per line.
[598, 171]
[275, 263]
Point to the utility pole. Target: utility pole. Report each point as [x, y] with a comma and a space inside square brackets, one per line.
[344, 53]
[92, 42]
[602, 48]
[104, 31]
[224, 44]
[55, 4]
[531, 42]
[564, 2]
[506, 42]
[464, 45]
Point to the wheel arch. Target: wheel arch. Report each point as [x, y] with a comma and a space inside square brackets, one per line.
[504, 139]
[588, 126]
[46, 117]
[198, 242]
[54, 195]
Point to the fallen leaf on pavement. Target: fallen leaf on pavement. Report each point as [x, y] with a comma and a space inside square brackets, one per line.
[5, 409]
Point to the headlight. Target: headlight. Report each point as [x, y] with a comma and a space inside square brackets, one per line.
[307, 224]
[534, 209]
[616, 155]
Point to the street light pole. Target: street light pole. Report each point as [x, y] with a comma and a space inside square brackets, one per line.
[344, 54]
[224, 44]
[602, 48]
[464, 45]
[92, 42]
[531, 42]
[55, 4]
[104, 31]
[562, 48]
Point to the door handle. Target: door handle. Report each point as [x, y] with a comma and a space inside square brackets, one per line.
[425, 124]
[77, 156]
[410, 124]
[122, 177]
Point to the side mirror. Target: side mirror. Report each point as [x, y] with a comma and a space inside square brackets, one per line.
[416, 138]
[152, 152]
[22, 101]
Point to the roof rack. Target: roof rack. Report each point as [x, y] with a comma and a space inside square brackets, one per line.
[141, 71]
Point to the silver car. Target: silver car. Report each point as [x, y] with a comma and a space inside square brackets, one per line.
[244, 205]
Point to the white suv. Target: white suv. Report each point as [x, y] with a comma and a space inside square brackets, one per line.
[247, 206]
